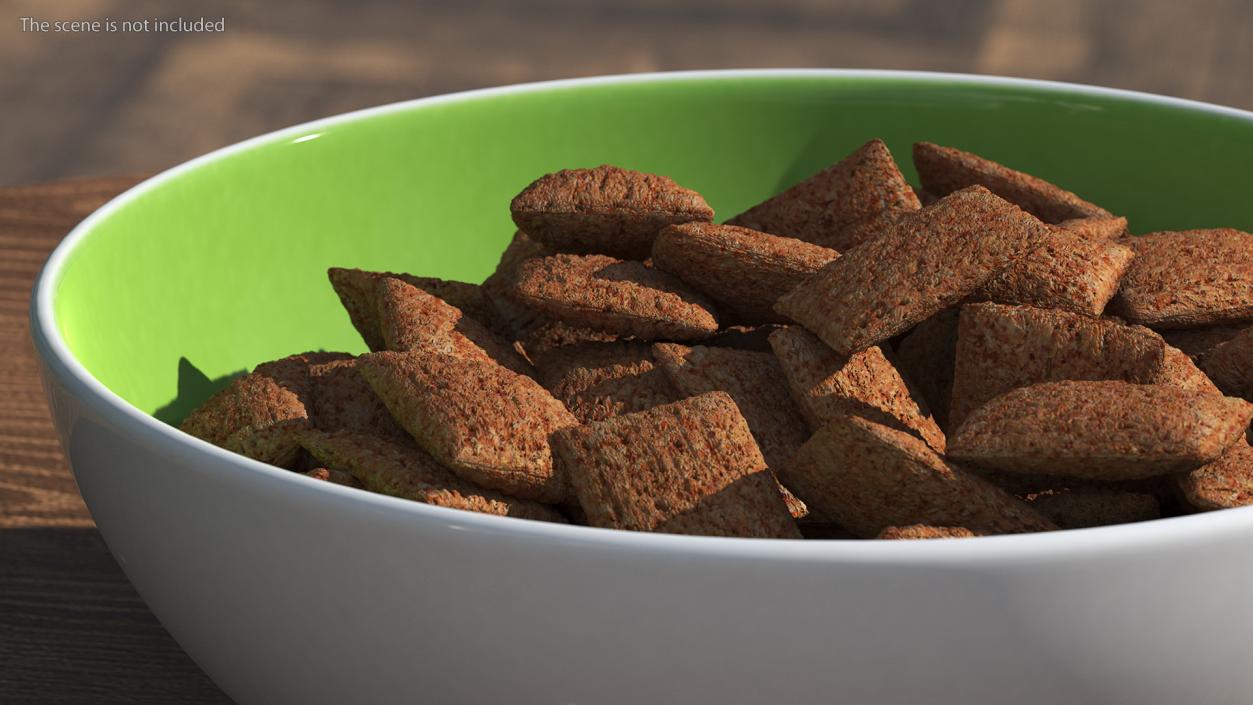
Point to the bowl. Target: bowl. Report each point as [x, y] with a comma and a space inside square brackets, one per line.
[290, 590]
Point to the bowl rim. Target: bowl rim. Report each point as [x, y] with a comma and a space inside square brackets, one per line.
[60, 363]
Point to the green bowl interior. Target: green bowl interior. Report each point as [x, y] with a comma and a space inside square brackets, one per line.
[224, 265]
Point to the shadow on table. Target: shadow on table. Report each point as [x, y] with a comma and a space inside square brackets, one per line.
[73, 631]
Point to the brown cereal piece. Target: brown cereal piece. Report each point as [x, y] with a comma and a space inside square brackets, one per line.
[1222, 484]
[826, 385]
[944, 170]
[606, 210]
[609, 294]
[545, 335]
[489, 425]
[342, 401]
[840, 206]
[1099, 430]
[755, 383]
[256, 414]
[1000, 348]
[946, 251]
[1081, 509]
[1188, 279]
[400, 469]
[925, 531]
[599, 380]
[1178, 370]
[867, 476]
[690, 467]
[744, 270]
[925, 357]
[412, 319]
[357, 292]
[514, 316]
[1230, 365]
[336, 477]
[1097, 228]
[925, 197]
[1197, 342]
[755, 338]
[1069, 272]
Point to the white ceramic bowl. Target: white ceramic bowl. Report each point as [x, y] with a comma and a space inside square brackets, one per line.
[290, 590]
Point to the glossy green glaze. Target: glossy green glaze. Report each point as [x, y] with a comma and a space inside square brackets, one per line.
[222, 266]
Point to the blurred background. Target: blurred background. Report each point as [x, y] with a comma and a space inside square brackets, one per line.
[113, 103]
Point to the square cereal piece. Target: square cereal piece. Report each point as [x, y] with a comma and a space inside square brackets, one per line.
[690, 467]
[1000, 348]
[1222, 484]
[401, 469]
[826, 385]
[513, 316]
[754, 382]
[1081, 509]
[1178, 370]
[1230, 365]
[608, 294]
[841, 206]
[544, 336]
[925, 356]
[411, 319]
[489, 425]
[930, 261]
[342, 401]
[1097, 228]
[1105, 430]
[944, 170]
[1069, 272]
[867, 477]
[924, 531]
[606, 210]
[1188, 279]
[744, 271]
[599, 380]
[1196, 343]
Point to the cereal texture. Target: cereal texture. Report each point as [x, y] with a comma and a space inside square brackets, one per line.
[1097, 227]
[412, 319]
[609, 294]
[944, 170]
[513, 315]
[940, 255]
[1082, 509]
[337, 477]
[754, 382]
[606, 210]
[1222, 484]
[357, 292]
[841, 206]
[257, 414]
[400, 469]
[867, 477]
[1178, 370]
[342, 401]
[925, 357]
[1230, 365]
[546, 335]
[1069, 272]
[827, 385]
[690, 467]
[487, 424]
[743, 270]
[1104, 430]
[755, 338]
[925, 531]
[1188, 279]
[1197, 342]
[1000, 348]
[599, 380]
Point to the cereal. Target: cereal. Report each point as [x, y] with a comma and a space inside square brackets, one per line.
[599, 380]
[1070, 272]
[755, 338]
[606, 210]
[400, 469]
[543, 336]
[1197, 342]
[743, 270]
[867, 477]
[925, 356]
[489, 425]
[342, 401]
[1000, 348]
[826, 385]
[925, 531]
[1100, 430]
[1178, 370]
[1230, 365]
[945, 252]
[411, 319]
[514, 315]
[335, 477]
[1097, 227]
[1188, 279]
[690, 467]
[944, 170]
[754, 382]
[357, 292]
[840, 206]
[1082, 509]
[1222, 484]
[609, 294]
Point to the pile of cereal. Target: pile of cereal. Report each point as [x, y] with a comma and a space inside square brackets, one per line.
[853, 358]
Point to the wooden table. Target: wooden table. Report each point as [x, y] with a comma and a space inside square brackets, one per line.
[72, 629]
